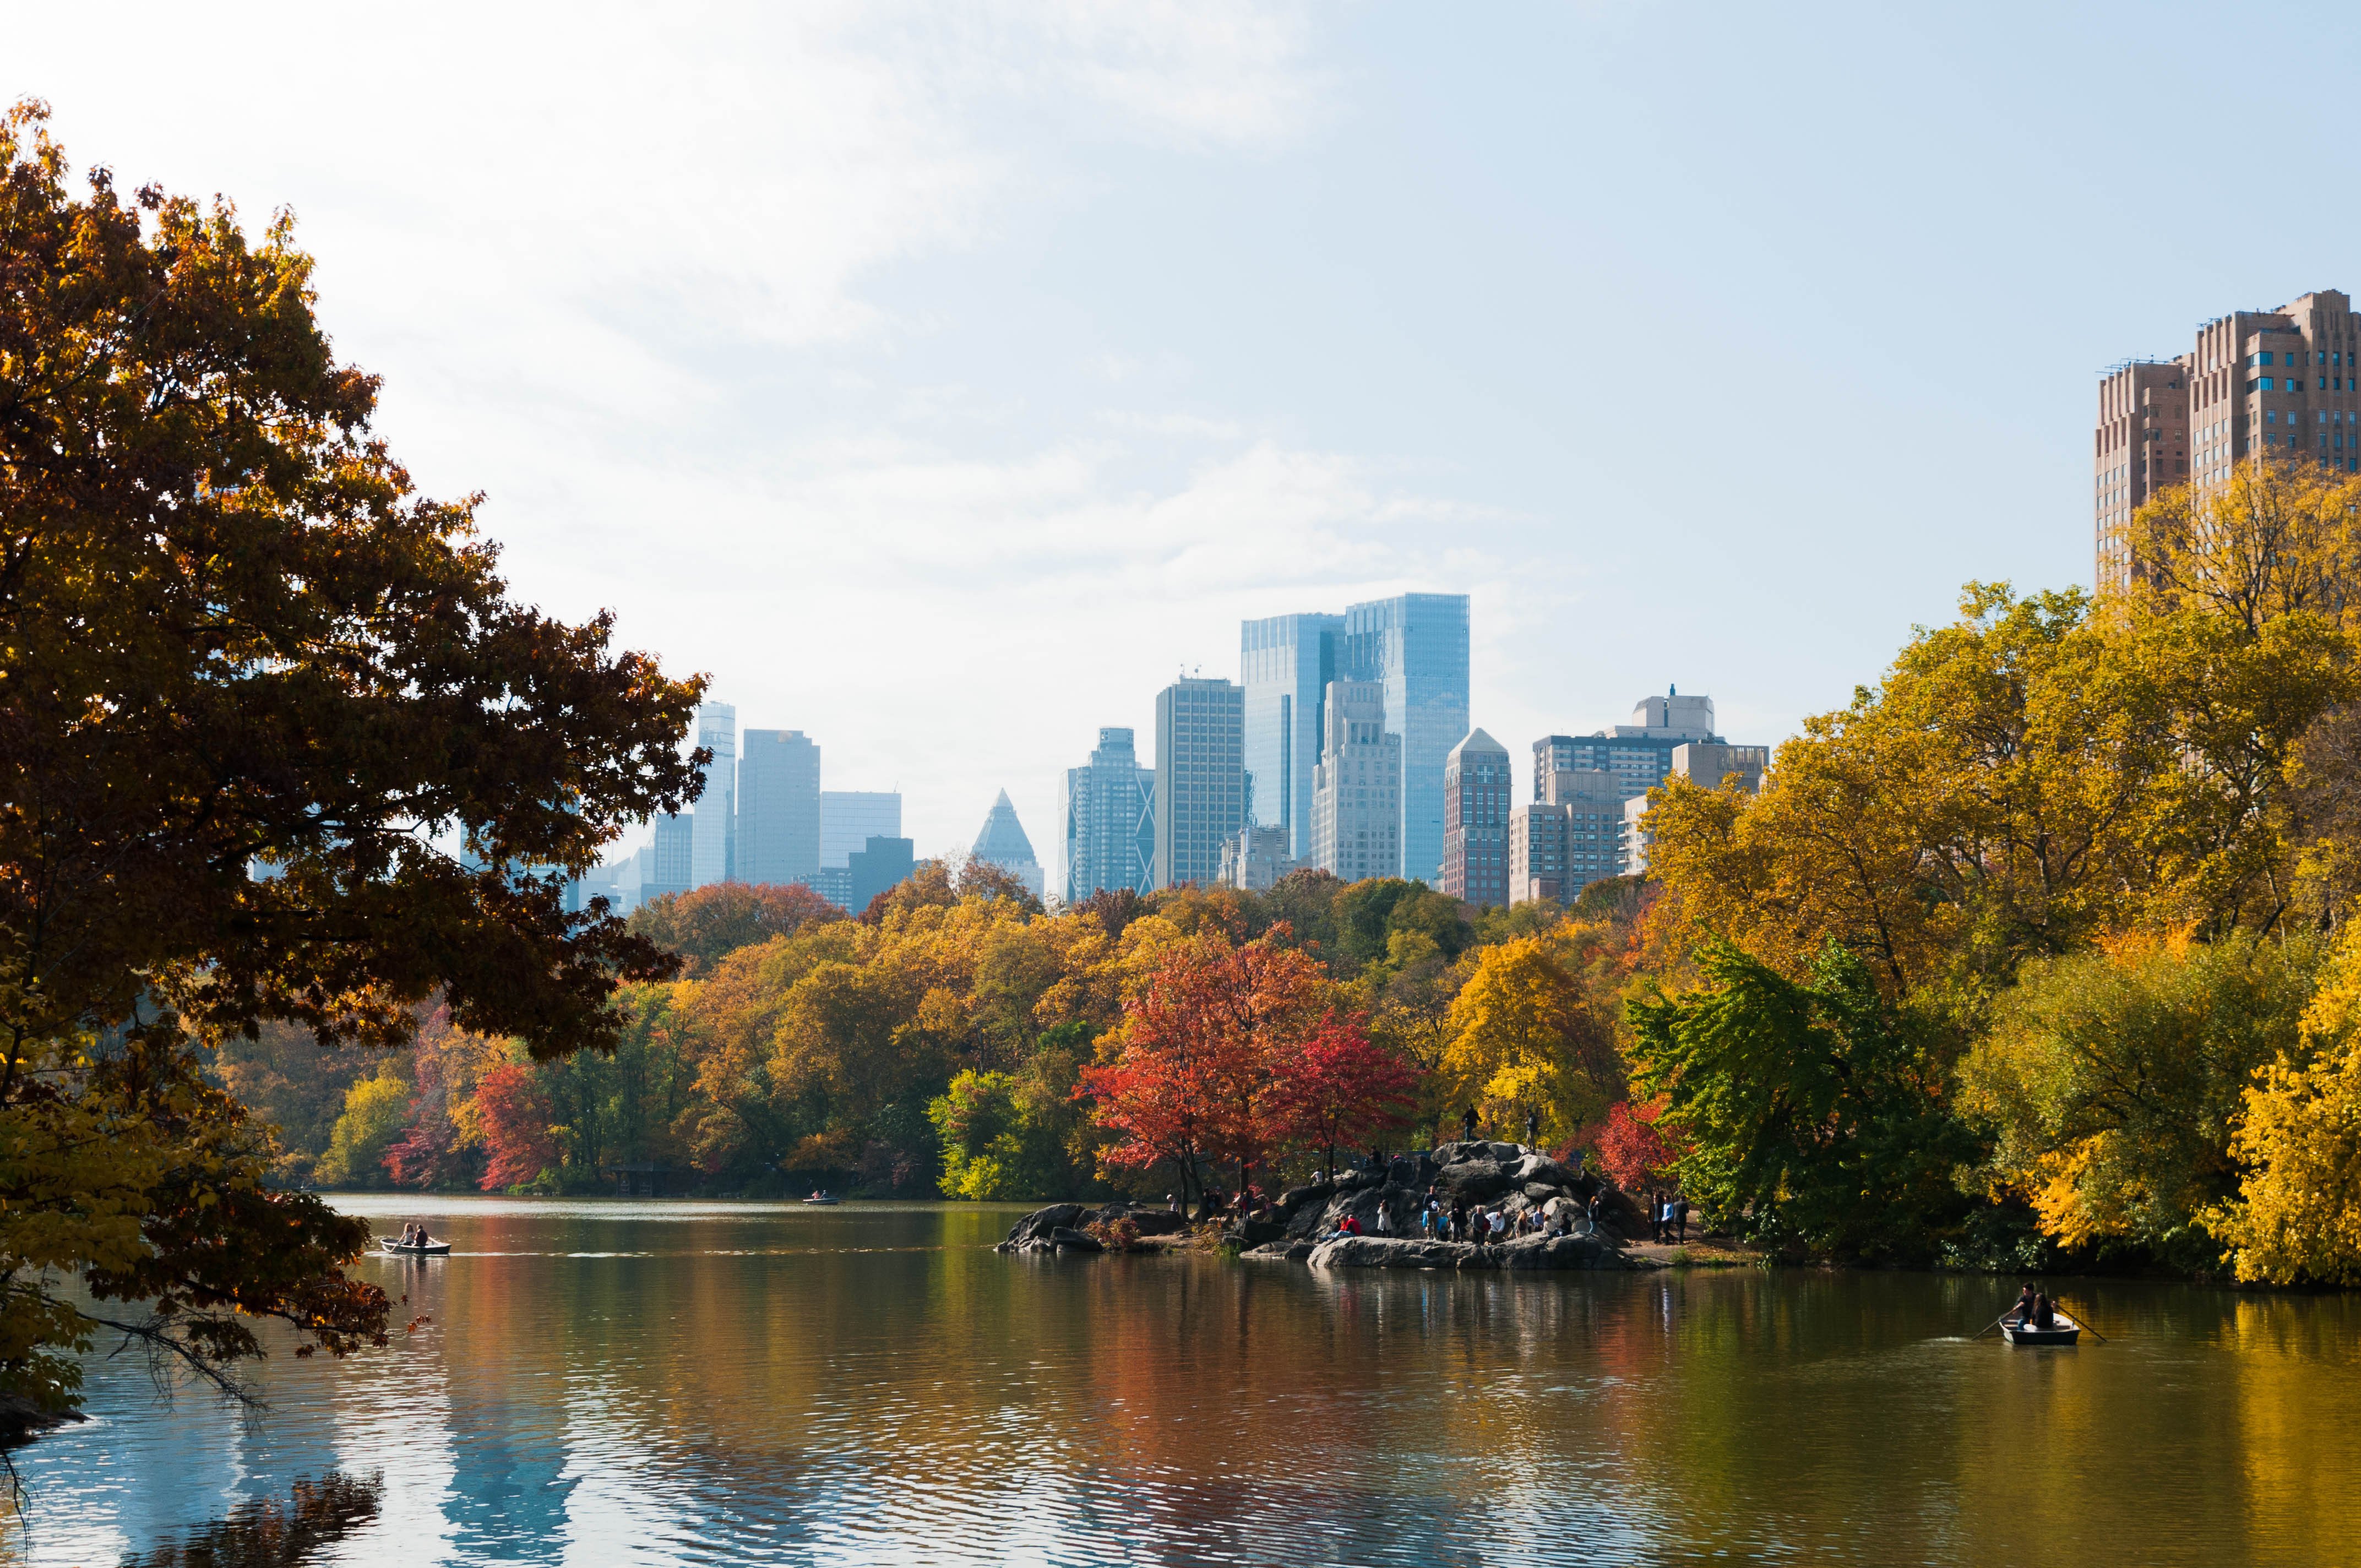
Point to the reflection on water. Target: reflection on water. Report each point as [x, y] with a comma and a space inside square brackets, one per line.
[274, 1532]
[616, 1383]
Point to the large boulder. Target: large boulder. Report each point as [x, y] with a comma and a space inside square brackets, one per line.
[1386, 1252]
[1473, 1181]
[1540, 1168]
[1149, 1220]
[1398, 1204]
[1281, 1251]
[1065, 1240]
[1036, 1231]
[1559, 1252]
[1416, 1171]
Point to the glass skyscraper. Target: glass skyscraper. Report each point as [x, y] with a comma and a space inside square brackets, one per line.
[849, 819]
[1416, 646]
[778, 807]
[1201, 780]
[1110, 820]
[716, 816]
[1285, 663]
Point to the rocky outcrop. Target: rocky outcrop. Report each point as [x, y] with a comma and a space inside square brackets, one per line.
[1529, 1254]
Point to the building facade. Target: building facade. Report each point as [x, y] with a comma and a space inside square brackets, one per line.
[1415, 646]
[849, 819]
[1110, 834]
[1002, 842]
[1476, 797]
[715, 833]
[1640, 755]
[2277, 384]
[1573, 837]
[778, 807]
[1200, 777]
[1357, 788]
[1285, 663]
[1254, 857]
[880, 864]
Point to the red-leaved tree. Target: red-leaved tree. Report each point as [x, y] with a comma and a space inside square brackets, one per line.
[1633, 1148]
[1338, 1088]
[1197, 1048]
[513, 1111]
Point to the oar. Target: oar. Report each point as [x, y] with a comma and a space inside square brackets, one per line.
[1994, 1324]
[2084, 1318]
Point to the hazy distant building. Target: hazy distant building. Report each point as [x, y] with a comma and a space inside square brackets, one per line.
[716, 819]
[1003, 843]
[1640, 755]
[1110, 834]
[1707, 764]
[1200, 778]
[778, 807]
[1357, 788]
[1569, 838]
[2275, 384]
[1415, 646]
[849, 819]
[1285, 663]
[1253, 857]
[1477, 796]
[880, 864]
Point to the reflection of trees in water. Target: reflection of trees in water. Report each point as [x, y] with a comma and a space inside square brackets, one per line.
[273, 1532]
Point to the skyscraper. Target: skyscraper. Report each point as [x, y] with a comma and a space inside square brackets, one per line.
[1415, 645]
[1477, 793]
[1640, 755]
[1569, 838]
[1357, 788]
[1110, 820]
[1200, 778]
[716, 819]
[2269, 383]
[1709, 764]
[878, 865]
[778, 807]
[1285, 663]
[849, 819]
[1003, 843]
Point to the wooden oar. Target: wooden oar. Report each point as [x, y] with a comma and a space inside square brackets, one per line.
[1994, 1324]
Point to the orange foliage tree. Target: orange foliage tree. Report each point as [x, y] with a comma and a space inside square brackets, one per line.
[1337, 1089]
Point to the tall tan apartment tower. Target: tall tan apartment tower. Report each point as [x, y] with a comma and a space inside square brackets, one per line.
[2280, 383]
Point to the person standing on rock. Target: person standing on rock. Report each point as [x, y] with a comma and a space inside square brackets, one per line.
[1534, 1130]
[1458, 1221]
[1468, 1123]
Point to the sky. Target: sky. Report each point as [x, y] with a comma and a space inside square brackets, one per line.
[942, 380]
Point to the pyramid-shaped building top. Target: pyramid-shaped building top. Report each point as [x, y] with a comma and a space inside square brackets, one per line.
[1003, 841]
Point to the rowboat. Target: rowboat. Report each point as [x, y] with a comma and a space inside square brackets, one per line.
[2066, 1333]
[421, 1249]
[821, 1199]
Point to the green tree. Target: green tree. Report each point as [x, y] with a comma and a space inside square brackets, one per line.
[2111, 1081]
[1813, 1108]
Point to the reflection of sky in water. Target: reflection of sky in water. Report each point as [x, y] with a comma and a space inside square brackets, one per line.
[707, 1383]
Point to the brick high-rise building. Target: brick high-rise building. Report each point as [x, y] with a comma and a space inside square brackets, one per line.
[2271, 383]
[1477, 794]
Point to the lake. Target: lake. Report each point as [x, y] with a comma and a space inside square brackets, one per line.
[645, 1383]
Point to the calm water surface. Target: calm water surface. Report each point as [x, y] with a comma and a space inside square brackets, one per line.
[717, 1383]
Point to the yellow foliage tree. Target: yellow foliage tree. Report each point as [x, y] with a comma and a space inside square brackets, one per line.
[2298, 1212]
[1516, 1031]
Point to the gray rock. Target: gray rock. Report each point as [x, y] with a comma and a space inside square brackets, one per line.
[1386, 1252]
[1535, 1167]
[1472, 1181]
[1034, 1233]
[1543, 1192]
[1293, 1200]
[1561, 1254]
[1151, 1221]
[1065, 1240]
[1279, 1252]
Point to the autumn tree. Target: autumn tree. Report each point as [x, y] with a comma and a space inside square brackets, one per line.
[256, 697]
[1196, 1048]
[1526, 1037]
[1336, 1089]
[705, 924]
